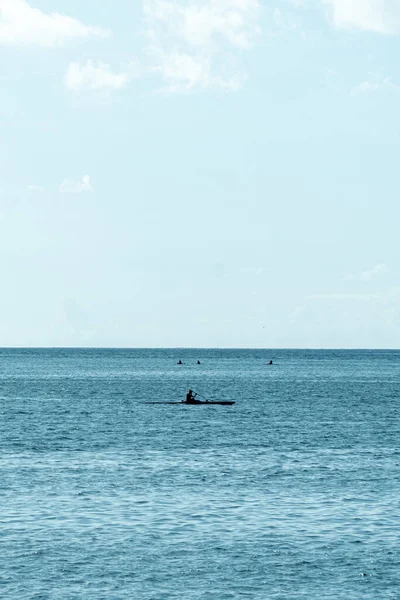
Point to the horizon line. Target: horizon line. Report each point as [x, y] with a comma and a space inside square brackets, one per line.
[394, 349]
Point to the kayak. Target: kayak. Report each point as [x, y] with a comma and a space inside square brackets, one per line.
[198, 402]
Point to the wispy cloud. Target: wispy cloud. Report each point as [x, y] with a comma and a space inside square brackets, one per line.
[380, 16]
[286, 21]
[183, 72]
[20, 24]
[374, 84]
[35, 188]
[93, 76]
[370, 274]
[70, 186]
[194, 43]
[253, 270]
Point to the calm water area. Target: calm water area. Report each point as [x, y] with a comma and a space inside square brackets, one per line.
[293, 493]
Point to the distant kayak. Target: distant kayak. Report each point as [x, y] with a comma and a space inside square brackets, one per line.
[199, 402]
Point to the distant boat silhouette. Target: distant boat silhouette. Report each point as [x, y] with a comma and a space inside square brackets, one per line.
[199, 402]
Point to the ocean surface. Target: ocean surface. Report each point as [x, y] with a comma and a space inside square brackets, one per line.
[292, 493]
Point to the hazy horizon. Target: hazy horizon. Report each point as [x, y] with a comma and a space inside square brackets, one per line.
[200, 348]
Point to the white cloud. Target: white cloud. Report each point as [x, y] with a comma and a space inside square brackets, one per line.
[194, 42]
[69, 186]
[201, 23]
[35, 188]
[21, 24]
[370, 274]
[285, 21]
[184, 72]
[374, 84]
[380, 16]
[378, 269]
[93, 76]
[367, 86]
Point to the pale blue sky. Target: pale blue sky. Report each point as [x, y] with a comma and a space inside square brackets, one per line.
[200, 173]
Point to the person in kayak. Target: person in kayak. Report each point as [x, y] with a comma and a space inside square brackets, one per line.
[190, 397]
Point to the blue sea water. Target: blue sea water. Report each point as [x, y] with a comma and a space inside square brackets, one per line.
[293, 493]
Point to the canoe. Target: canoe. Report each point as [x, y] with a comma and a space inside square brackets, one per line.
[199, 402]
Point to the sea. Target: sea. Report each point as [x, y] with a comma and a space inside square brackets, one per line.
[293, 493]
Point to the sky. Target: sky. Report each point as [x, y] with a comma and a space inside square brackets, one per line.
[200, 173]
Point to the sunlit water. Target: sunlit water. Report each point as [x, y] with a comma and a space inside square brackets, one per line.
[293, 493]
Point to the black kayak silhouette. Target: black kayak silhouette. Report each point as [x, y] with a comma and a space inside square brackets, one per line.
[199, 402]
